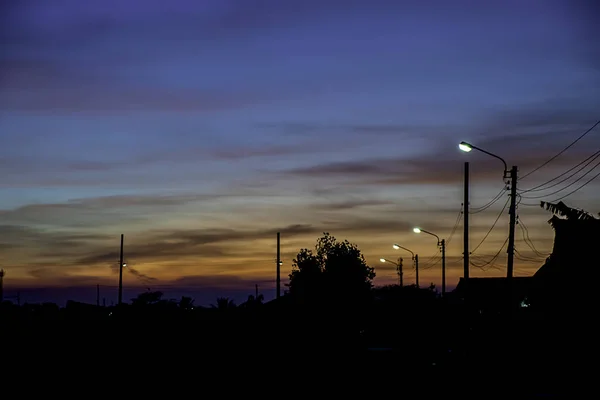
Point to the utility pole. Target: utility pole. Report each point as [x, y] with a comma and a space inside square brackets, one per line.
[98, 295]
[443, 244]
[417, 270]
[466, 225]
[1, 286]
[121, 273]
[278, 293]
[513, 218]
[256, 291]
[400, 272]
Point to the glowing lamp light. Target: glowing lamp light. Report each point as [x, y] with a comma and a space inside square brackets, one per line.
[464, 146]
[417, 230]
[382, 259]
[395, 246]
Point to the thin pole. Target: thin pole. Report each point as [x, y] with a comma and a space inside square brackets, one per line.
[121, 273]
[513, 217]
[400, 272]
[256, 291]
[417, 270]
[98, 295]
[278, 293]
[466, 224]
[1, 286]
[443, 243]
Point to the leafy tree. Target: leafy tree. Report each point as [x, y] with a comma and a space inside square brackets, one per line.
[334, 270]
[147, 298]
[563, 210]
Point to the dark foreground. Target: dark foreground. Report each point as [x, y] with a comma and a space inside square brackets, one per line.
[278, 357]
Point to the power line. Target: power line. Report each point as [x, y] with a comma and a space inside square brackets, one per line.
[569, 185]
[571, 192]
[521, 257]
[493, 225]
[562, 151]
[491, 202]
[540, 186]
[527, 239]
[458, 219]
[493, 258]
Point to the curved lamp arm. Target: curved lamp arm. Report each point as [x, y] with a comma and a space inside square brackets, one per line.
[464, 146]
[419, 230]
[397, 246]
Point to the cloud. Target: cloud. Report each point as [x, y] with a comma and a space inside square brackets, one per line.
[99, 211]
[16, 236]
[351, 204]
[62, 97]
[168, 245]
[238, 153]
[527, 138]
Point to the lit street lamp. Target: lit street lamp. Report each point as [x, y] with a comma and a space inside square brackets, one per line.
[512, 175]
[442, 244]
[467, 147]
[415, 258]
[398, 269]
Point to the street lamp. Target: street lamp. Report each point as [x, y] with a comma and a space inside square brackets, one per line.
[467, 147]
[512, 175]
[442, 244]
[415, 258]
[398, 269]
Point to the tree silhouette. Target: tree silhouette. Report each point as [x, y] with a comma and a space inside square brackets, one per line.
[563, 210]
[186, 303]
[335, 270]
[253, 301]
[224, 303]
[147, 298]
[574, 254]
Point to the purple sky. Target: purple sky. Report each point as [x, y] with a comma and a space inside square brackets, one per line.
[200, 128]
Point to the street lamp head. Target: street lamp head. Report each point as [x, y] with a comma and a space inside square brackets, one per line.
[382, 260]
[124, 264]
[395, 246]
[417, 230]
[464, 146]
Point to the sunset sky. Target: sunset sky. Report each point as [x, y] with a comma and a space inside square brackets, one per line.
[198, 129]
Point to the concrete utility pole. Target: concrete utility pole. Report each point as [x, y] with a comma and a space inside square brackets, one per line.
[417, 270]
[121, 273]
[466, 225]
[400, 272]
[1, 285]
[513, 218]
[443, 245]
[278, 293]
